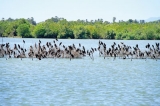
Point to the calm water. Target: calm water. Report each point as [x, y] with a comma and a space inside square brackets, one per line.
[82, 82]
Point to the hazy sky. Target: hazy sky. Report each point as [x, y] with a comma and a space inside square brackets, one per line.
[41, 10]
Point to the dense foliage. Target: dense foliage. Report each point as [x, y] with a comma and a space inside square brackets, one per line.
[80, 29]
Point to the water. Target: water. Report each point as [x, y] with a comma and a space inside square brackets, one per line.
[80, 82]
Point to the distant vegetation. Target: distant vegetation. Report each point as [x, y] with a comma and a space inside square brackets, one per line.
[80, 29]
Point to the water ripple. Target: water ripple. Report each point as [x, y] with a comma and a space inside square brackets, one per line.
[81, 82]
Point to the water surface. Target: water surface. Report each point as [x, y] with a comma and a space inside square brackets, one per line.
[80, 82]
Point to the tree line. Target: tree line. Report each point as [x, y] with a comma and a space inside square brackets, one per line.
[56, 27]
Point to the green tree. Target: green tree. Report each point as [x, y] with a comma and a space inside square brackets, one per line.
[2, 28]
[110, 34]
[23, 30]
[39, 31]
[114, 19]
[80, 29]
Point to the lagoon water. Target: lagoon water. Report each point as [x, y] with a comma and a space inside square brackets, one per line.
[79, 82]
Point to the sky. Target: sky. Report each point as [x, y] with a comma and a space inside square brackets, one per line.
[73, 10]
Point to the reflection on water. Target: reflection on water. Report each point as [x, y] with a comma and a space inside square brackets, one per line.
[80, 81]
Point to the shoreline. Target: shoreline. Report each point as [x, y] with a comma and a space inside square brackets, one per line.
[81, 39]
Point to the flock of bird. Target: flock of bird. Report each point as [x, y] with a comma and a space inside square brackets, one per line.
[56, 49]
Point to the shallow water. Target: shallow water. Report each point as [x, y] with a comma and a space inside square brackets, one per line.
[82, 82]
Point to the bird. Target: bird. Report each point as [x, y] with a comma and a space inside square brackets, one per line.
[19, 46]
[119, 50]
[56, 39]
[137, 45]
[60, 43]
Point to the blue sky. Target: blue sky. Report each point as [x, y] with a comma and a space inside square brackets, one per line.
[41, 10]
